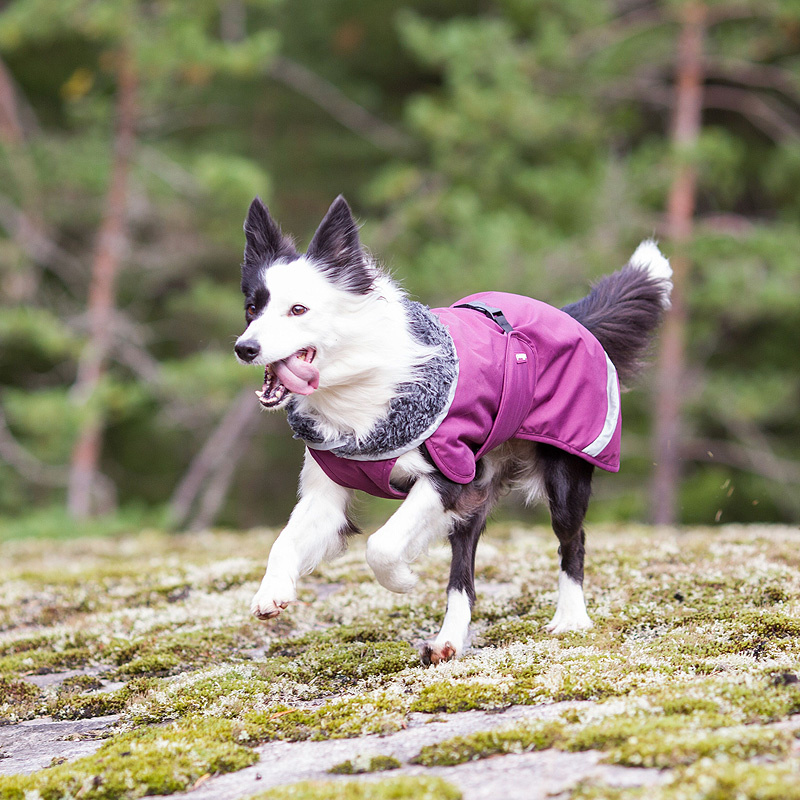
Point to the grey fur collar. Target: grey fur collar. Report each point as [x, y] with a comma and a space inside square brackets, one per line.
[415, 412]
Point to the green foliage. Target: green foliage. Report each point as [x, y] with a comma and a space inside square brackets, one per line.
[537, 156]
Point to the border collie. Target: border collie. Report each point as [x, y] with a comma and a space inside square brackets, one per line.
[446, 408]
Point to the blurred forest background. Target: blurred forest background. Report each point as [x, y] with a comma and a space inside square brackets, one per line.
[518, 145]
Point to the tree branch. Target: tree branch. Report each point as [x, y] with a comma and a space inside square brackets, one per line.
[36, 244]
[348, 113]
[219, 449]
[27, 465]
[775, 121]
[743, 457]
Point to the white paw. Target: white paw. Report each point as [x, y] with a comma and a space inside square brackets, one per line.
[273, 596]
[571, 607]
[396, 577]
[564, 622]
[391, 571]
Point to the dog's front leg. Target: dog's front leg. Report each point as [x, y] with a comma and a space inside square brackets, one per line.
[420, 520]
[317, 530]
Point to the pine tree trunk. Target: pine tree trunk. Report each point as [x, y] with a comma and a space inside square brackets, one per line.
[686, 125]
[101, 301]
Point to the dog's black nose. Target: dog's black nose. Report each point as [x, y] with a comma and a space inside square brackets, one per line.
[248, 350]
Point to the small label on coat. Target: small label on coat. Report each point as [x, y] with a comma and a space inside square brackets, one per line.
[521, 358]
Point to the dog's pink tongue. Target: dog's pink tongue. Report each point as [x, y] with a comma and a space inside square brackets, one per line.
[296, 375]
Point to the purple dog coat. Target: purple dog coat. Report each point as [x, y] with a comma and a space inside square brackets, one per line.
[542, 377]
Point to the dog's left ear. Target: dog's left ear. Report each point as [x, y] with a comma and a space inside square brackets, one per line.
[336, 250]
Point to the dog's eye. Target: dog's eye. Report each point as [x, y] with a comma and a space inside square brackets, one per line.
[249, 312]
[296, 311]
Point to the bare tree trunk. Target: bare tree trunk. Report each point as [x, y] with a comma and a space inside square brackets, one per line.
[108, 255]
[214, 465]
[19, 285]
[686, 125]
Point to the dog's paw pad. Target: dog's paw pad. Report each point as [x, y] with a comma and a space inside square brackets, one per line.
[433, 654]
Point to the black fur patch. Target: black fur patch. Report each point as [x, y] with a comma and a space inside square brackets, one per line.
[265, 243]
[623, 311]
[335, 250]
[257, 296]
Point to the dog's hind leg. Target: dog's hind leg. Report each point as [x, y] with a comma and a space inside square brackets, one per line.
[568, 485]
[317, 530]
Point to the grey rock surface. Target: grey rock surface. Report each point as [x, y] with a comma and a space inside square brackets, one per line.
[32, 745]
[28, 746]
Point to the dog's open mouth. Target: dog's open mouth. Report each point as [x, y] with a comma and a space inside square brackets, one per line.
[295, 374]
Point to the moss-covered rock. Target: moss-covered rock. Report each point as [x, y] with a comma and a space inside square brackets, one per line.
[18, 700]
[157, 760]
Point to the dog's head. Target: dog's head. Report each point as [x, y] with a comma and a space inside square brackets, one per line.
[292, 301]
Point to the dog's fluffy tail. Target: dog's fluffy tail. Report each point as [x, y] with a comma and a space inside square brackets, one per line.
[624, 309]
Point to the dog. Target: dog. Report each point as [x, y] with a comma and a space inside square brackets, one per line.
[446, 408]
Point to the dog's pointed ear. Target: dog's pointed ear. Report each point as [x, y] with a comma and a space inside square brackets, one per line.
[336, 250]
[264, 240]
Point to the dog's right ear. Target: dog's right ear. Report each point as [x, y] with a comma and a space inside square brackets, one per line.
[264, 240]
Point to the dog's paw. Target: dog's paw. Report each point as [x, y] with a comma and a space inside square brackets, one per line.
[432, 653]
[566, 623]
[272, 598]
[391, 571]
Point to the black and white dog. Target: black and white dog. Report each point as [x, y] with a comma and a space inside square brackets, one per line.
[369, 378]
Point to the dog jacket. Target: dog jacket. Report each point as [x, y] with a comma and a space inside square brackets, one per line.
[526, 370]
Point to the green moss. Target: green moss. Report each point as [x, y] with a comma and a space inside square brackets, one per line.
[168, 654]
[515, 630]
[79, 704]
[768, 703]
[386, 627]
[688, 705]
[655, 741]
[80, 683]
[18, 700]
[453, 697]
[335, 720]
[632, 740]
[484, 744]
[772, 625]
[44, 660]
[718, 779]
[238, 688]
[360, 765]
[744, 781]
[331, 666]
[405, 788]
[160, 760]
[657, 749]
[588, 681]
